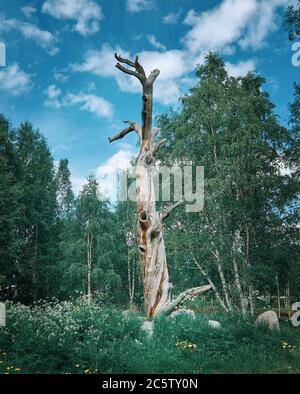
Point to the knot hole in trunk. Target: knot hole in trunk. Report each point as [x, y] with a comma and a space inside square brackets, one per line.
[143, 217]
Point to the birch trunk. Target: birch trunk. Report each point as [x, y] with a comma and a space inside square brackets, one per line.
[278, 296]
[289, 300]
[89, 258]
[243, 301]
[131, 278]
[154, 269]
[212, 285]
[216, 254]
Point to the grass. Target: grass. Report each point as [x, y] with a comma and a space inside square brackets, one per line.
[72, 337]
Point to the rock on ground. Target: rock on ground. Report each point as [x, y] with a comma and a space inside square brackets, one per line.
[214, 324]
[268, 319]
[147, 326]
[127, 313]
[187, 312]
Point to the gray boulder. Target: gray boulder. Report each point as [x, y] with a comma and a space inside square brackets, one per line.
[127, 313]
[268, 319]
[147, 326]
[180, 312]
[214, 324]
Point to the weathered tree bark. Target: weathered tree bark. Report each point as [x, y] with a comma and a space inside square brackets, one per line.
[243, 301]
[154, 269]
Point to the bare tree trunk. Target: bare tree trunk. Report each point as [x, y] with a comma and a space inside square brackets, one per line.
[222, 277]
[248, 263]
[243, 301]
[132, 285]
[34, 266]
[278, 296]
[89, 260]
[150, 239]
[131, 279]
[213, 287]
[268, 298]
[289, 299]
[251, 300]
[129, 276]
[214, 143]
[83, 277]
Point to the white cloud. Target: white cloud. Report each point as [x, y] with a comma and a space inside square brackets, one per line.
[60, 76]
[100, 63]
[28, 10]
[171, 18]
[106, 173]
[219, 27]
[153, 41]
[43, 38]
[246, 23]
[88, 102]
[240, 69]
[77, 183]
[14, 81]
[53, 93]
[262, 23]
[139, 5]
[172, 65]
[86, 13]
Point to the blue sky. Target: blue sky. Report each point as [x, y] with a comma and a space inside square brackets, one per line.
[60, 70]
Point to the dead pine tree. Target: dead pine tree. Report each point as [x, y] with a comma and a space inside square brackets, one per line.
[154, 269]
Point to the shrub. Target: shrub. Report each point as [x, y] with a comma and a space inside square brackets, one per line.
[74, 337]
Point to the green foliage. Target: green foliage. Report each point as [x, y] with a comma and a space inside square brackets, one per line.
[27, 204]
[38, 221]
[250, 215]
[292, 21]
[10, 197]
[64, 194]
[73, 337]
[43, 231]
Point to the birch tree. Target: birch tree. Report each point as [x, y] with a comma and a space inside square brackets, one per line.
[228, 125]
